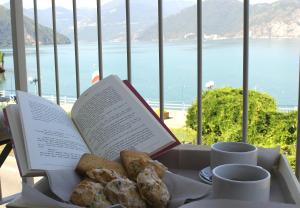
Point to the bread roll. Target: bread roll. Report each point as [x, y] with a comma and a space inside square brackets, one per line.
[134, 162]
[102, 175]
[152, 188]
[89, 193]
[101, 202]
[91, 161]
[124, 191]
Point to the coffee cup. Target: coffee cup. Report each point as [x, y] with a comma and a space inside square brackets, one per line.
[232, 153]
[241, 182]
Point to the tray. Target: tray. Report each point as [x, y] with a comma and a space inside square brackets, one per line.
[188, 160]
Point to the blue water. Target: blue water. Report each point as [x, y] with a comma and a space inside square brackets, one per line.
[273, 68]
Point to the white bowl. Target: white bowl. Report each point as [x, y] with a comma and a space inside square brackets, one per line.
[241, 182]
[232, 153]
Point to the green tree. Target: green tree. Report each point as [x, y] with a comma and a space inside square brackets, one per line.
[222, 120]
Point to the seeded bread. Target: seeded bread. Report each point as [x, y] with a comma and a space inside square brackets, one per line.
[91, 161]
[152, 188]
[134, 162]
[102, 175]
[124, 192]
[86, 192]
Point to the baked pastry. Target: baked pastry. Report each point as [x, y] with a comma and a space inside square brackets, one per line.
[135, 162]
[86, 192]
[91, 161]
[152, 188]
[101, 202]
[123, 191]
[102, 175]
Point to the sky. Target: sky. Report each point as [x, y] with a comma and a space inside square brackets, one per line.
[90, 3]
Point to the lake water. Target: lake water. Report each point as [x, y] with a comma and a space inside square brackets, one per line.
[273, 68]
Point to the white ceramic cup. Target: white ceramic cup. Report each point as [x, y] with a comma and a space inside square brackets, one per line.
[232, 153]
[241, 182]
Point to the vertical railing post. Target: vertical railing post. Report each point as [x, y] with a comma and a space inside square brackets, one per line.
[128, 36]
[161, 59]
[76, 48]
[18, 42]
[55, 52]
[199, 71]
[298, 132]
[37, 47]
[245, 70]
[99, 30]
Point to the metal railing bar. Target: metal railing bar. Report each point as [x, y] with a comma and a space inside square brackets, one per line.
[298, 132]
[18, 42]
[128, 36]
[5, 152]
[99, 31]
[8, 199]
[76, 48]
[161, 59]
[37, 48]
[245, 70]
[55, 52]
[199, 70]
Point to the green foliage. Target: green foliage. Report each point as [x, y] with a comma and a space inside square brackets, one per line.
[185, 135]
[222, 120]
[3, 105]
[1, 57]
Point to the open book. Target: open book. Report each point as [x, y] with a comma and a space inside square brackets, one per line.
[108, 117]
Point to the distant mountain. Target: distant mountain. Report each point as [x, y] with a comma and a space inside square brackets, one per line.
[224, 19]
[143, 15]
[45, 33]
[280, 20]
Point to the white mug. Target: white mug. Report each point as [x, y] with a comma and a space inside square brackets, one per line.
[241, 182]
[232, 153]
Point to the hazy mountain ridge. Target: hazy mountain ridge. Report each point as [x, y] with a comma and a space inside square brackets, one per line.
[45, 33]
[281, 20]
[223, 19]
[143, 15]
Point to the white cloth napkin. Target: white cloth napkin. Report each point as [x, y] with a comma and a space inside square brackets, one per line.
[183, 189]
[61, 184]
[34, 198]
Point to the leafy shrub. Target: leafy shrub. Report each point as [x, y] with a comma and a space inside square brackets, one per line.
[185, 135]
[222, 120]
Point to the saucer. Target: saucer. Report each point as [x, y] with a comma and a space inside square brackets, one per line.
[206, 175]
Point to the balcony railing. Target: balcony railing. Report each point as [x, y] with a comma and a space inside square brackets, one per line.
[20, 58]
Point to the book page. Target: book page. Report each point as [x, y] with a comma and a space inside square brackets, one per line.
[110, 119]
[51, 139]
[12, 112]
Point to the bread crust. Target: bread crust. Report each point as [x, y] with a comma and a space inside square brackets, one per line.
[152, 188]
[134, 162]
[107, 182]
[91, 161]
[125, 192]
[102, 175]
[85, 193]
